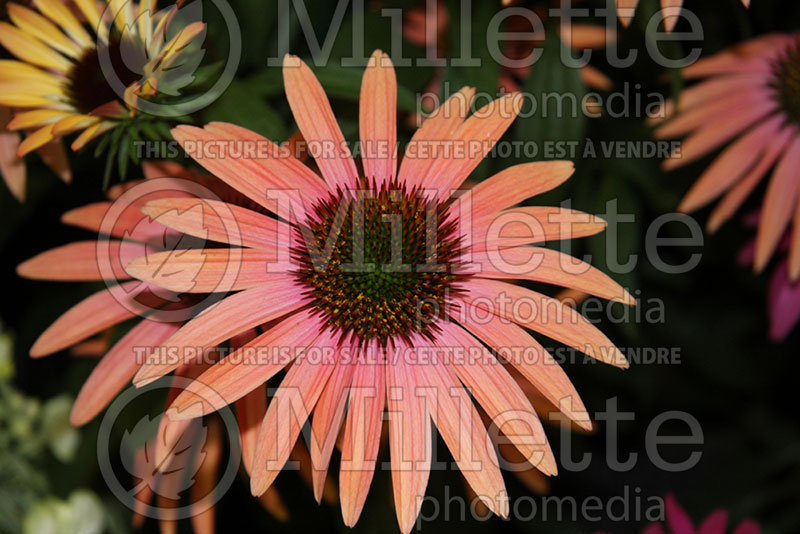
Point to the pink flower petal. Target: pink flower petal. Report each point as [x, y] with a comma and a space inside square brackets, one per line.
[377, 119]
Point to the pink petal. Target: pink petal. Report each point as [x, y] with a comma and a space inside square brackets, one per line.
[116, 369]
[545, 315]
[316, 121]
[409, 440]
[716, 523]
[362, 432]
[498, 394]
[731, 165]
[92, 315]
[377, 119]
[290, 407]
[783, 303]
[780, 202]
[739, 193]
[540, 369]
[748, 526]
[222, 321]
[677, 519]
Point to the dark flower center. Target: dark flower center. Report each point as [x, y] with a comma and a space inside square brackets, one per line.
[388, 268]
[88, 86]
[787, 81]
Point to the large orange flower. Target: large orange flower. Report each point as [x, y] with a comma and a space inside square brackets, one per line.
[380, 291]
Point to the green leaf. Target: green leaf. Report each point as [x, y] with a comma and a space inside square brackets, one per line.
[345, 83]
[484, 76]
[243, 106]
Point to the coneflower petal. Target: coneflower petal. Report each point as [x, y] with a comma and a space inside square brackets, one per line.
[316, 121]
[549, 266]
[92, 315]
[471, 142]
[511, 186]
[780, 202]
[78, 262]
[410, 439]
[499, 395]
[525, 225]
[287, 413]
[462, 429]
[216, 221]
[440, 125]
[116, 369]
[731, 165]
[244, 370]
[224, 320]
[377, 119]
[545, 315]
[327, 421]
[362, 432]
[540, 369]
[207, 270]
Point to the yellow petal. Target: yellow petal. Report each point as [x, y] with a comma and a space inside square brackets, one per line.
[35, 140]
[31, 50]
[33, 23]
[90, 133]
[58, 12]
[35, 118]
[73, 123]
[90, 12]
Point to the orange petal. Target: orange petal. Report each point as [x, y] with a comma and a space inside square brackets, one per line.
[462, 430]
[440, 125]
[205, 270]
[498, 394]
[545, 315]
[215, 220]
[287, 413]
[517, 183]
[116, 369]
[327, 421]
[409, 440]
[377, 119]
[222, 321]
[315, 118]
[362, 433]
[245, 369]
[470, 144]
[12, 167]
[78, 262]
[532, 224]
[539, 368]
[90, 316]
[549, 266]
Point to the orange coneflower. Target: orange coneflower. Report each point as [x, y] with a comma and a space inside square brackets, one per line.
[429, 293]
[58, 79]
[749, 93]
